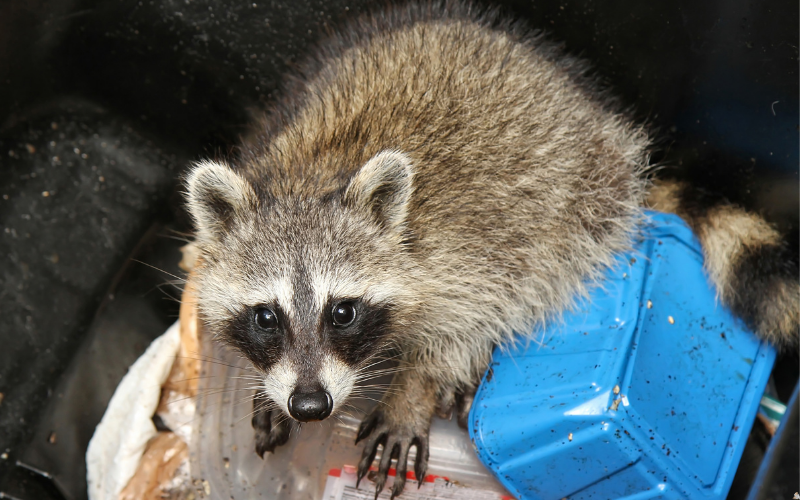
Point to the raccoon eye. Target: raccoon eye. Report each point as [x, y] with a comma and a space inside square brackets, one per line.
[266, 319]
[343, 314]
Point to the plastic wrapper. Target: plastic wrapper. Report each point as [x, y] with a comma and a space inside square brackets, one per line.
[224, 461]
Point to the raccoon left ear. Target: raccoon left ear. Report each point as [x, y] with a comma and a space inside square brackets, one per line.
[384, 187]
[216, 196]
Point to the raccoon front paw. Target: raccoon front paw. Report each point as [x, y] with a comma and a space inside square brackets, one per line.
[396, 440]
[271, 425]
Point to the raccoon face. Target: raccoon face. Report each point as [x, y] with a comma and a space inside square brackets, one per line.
[309, 290]
[312, 371]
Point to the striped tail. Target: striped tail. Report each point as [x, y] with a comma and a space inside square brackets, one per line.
[745, 257]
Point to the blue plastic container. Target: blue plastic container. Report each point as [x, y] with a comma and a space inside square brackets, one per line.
[647, 390]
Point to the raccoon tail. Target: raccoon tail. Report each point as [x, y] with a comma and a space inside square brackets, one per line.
[745, 257]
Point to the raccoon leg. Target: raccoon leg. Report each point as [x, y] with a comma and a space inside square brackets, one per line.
[402, 421]
[745, 258]
[271, 425]
[446, 402]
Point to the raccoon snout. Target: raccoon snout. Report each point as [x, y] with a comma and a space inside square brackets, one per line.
[310, 406]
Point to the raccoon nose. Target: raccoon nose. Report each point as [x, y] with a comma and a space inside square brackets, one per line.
[309, 406]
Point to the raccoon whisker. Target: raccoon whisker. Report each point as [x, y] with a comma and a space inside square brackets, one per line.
[255, 410]
[375, 383]
[377, 360]
[249, 397]
[174, 234]
[370, 399]
[373, 375]
[372, 390]
[243, 400]
[266, 403]
[249, 379]
[209, 360]
[377, 387]
[381, 373]
[338, 416]
[209, 392]
[201, 355]
[182, 280]
[196, 378]
[167, 295]
[270, 405]
[247, 365]
[345, 414]
[354, 408]
[281, 419]
[367, 383]
[170, 298]
[380, 370]
[376, 392]
[344, 410]
[387, 385]
[220, 390]
[249, 415]
[379, 391]
[225, 403]
[174, 401]
[365, 379]
[256, 388]
[173, 283]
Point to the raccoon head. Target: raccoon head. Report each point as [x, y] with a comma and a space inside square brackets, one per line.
[309, 288]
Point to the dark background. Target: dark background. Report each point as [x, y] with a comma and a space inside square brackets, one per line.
[104, 103]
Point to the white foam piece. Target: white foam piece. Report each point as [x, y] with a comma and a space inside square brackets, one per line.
[120, 438]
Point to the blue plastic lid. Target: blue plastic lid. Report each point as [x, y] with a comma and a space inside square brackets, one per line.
[648, 389]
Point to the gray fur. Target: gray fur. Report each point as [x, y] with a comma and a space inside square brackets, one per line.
[524, 185]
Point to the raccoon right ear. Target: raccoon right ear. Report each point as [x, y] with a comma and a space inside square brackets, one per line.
[384, 187]
[215, 196]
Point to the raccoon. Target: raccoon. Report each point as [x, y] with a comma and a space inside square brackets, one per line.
[434, 181]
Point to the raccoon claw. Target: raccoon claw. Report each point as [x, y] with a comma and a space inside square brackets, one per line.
[457, 402]
[396, 444]
[272, 428]
[368, 425]
[463, 405]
